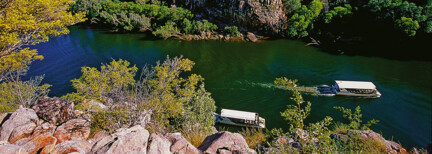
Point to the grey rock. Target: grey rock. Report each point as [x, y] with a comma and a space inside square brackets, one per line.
[158, 144]
[23, 117]
[78, 146]
[125, 140]
[179, 145]
[11, 149]
[225, 140]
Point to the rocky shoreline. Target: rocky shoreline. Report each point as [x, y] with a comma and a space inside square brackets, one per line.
[53, 126]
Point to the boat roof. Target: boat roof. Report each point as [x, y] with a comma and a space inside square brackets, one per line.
[238, 114]
[355, 84]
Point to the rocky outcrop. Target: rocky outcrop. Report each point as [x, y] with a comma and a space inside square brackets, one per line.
[19, 125]
[73, 129]
[131, 140]
[11, 149]
[224, 142]
[53, 110]
[179, 145]
[266, 16]
[158, 144]
[79, 146]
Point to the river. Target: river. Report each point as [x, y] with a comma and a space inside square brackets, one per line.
[240, 75]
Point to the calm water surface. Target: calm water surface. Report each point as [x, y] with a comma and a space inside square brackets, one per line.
[240, 74]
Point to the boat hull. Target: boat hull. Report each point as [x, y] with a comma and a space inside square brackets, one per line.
[227, 121]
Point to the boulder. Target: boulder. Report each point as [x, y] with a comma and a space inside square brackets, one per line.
[251, 37]
[11, 149]
[158, 144]
[22, 131]
[98, 136]
[45, 129]
[73, 129]
[225, 140]
[179, 145]
[23, 119]
[40, 144]
[125, 140]
[78, 146]
[53, 110]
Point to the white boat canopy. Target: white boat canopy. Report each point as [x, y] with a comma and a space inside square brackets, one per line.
[238, 114]
[355, 84]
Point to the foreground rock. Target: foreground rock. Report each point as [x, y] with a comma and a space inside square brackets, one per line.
[131, 140]
[79, 146]
[225, 142]
[11, 149]
[158, 144]
[73, 129]
[19, 125]
[180, 145]
[53, 110]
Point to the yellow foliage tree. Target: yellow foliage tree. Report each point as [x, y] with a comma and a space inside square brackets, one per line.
[28, 22]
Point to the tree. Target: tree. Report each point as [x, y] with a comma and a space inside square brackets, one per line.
[22, 23]
[302, 20]
[28, 22]
[407, 26]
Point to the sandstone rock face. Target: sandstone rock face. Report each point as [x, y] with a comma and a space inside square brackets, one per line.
[254, 15]
[44, 144]
[11, 149]
[233, 142]
[179, 145]
[45, 129]
[131, 140]
[73, 129]
[22, 119]
[79, 146]
[55, 111]
[158, 144]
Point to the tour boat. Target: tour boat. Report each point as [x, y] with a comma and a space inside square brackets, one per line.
[240, 118]
[350, 88]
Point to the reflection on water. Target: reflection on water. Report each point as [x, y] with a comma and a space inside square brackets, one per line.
[240, 75]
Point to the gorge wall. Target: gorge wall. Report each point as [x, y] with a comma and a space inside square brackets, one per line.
[260, 16]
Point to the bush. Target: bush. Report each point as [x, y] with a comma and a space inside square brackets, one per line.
[232, 30]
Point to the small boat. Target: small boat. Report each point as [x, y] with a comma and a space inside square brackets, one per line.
[240, 118]
[356, 88]
[349, 88]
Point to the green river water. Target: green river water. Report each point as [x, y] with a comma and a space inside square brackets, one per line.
[240, 75]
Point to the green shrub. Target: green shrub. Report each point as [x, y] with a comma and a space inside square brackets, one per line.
[232, 30]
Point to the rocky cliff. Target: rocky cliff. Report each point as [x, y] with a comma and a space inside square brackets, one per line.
[263, 16]
[52, 126]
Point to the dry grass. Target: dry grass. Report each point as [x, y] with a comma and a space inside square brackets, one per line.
[341, 128]
[194, 135]
[253, 136]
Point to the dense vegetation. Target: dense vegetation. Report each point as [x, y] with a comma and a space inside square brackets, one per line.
[143, 16]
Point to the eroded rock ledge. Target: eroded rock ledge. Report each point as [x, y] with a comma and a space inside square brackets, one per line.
[54, 128]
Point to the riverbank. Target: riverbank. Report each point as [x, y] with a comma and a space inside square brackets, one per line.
[53, 126]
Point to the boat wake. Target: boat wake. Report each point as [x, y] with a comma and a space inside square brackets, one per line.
[310, 90]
